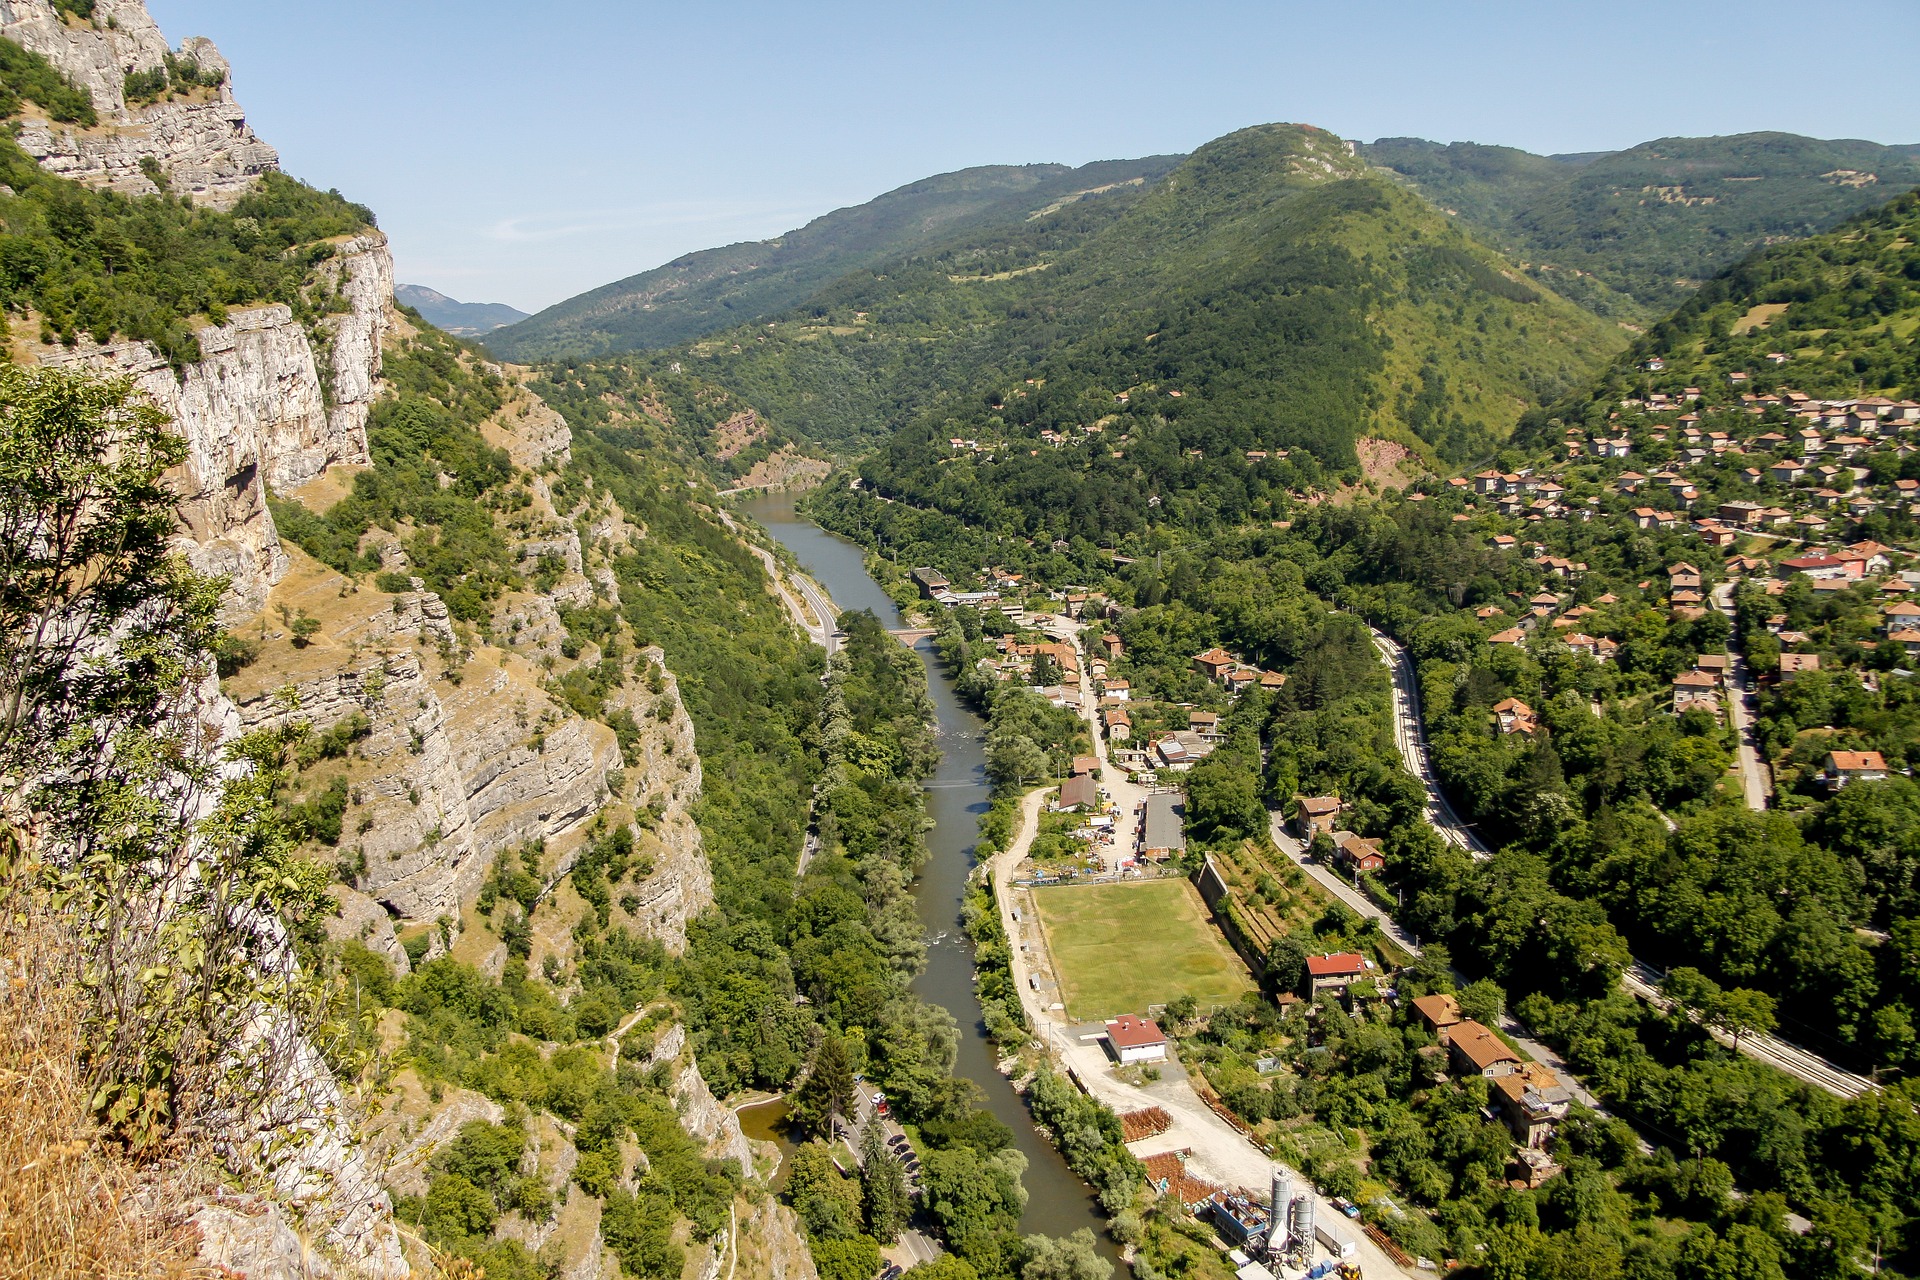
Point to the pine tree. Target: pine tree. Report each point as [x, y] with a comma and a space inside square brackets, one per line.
[825, 1097]
[883, 1186]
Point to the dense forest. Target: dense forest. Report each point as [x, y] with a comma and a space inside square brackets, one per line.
[1631, 233]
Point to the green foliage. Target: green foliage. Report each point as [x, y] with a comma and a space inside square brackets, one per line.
[720, 288]
[29, 77]
[147, 267]
[426, 431]
[1652, 220]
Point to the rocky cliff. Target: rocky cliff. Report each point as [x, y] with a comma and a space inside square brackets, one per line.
[198, 135]
[260, 411]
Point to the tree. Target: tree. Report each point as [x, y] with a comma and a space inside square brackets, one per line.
[1483, 1001]
[1015, 758]
[825, 1097]
[1742, 1012]
[1067, 1258]
[1183, 1008]
[883, 1186]
[1286, 963]
[305, 628]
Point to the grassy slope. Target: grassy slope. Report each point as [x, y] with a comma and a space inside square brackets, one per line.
[1653, 220]
[735, 284]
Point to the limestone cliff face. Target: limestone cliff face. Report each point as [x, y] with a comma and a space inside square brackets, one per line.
[202, 140]
[255, 415]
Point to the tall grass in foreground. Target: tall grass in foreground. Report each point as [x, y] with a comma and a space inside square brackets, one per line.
[69, 1205]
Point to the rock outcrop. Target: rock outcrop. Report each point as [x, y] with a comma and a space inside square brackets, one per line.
[199, 137]
[255, 416]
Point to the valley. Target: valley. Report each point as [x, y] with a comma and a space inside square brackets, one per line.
[1306, 708]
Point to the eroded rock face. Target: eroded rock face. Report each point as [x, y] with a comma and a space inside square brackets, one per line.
[255, 418]
[201, 141]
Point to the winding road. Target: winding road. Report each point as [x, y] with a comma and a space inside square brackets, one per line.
[1640, 979]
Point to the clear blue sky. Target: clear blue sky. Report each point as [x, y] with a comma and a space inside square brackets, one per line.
[524, 152]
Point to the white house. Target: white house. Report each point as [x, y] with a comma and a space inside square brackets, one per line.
[1136, 1039]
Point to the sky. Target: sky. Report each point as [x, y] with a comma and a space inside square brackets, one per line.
[523, 153]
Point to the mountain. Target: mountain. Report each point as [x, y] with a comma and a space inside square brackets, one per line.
[1272, 292]
[1832, 316]
[1632, 232]
[462, 319]
[719, 288]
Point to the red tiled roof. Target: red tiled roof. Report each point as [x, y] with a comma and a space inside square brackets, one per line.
[1336, 965]
[1129, 1032]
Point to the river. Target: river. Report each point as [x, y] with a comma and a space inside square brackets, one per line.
[1058, 1202]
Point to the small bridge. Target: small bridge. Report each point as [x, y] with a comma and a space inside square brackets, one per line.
[910, 636]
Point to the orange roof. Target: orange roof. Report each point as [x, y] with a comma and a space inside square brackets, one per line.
[1479, 1045]
[1858, 762]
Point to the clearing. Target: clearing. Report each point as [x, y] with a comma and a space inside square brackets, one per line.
[1119, 948]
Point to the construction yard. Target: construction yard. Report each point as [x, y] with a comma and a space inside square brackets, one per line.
[1121, 948]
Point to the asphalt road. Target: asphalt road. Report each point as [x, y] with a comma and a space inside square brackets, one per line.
[1753, 780]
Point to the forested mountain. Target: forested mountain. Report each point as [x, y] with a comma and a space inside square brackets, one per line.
[718, 288]
[1652, 221]
[462, 319]
[1834, 315]
[1271, 293]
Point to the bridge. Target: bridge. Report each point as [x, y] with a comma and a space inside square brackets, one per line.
[911, 636]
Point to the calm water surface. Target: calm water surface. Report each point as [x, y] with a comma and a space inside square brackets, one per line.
[1058, 1202]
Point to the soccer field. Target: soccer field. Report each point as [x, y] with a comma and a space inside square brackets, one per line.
[1121, 947]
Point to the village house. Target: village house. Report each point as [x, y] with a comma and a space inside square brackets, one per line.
[1516, 716]
[1793, 664]
[1531, 1100]
[1695, 689]
[1476, 1051]
[1206, 724]
[1136, 1040]
[1315, 815]
[1336, 971]
[1116, 690]
[1077, 794]
[1214, 663]
[1843, 767]
[1119, 724]
[1438, 1011]
[1824, 567]
[1355, 854]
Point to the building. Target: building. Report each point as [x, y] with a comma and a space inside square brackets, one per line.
[1516, 717]
[1438, 1011]
[931, 582]
[1136, 1040]
[1076, 794]
[1357, 854]
[1824, 568]
[1085, 764]
[1695, 689]
[1214, 663]
[1336, 971]
[1119, 724]
[1476, 1051]
[1531, 1100]
[1118, 690]
[1843, 767]
[1163, 829]
[1315, 815]
[1792, 664]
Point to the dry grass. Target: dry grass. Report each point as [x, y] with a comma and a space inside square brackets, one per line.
[68, 1205]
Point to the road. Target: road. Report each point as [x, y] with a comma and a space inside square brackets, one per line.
[1411, 735]
[1127, 795]
[812, 611]
[1753, 779]
[1410, 731]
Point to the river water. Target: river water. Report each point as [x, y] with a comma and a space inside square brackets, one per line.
[1058, 1202]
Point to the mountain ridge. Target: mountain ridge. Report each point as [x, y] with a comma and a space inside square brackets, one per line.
[717, 288]
[461, 319]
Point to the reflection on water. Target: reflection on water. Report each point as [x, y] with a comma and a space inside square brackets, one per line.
[767, 1122]
[1058, 1202]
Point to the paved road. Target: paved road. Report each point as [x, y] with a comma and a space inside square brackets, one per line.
[1128, 796]
[1753, 779]
[1640, 979]
[816, 615]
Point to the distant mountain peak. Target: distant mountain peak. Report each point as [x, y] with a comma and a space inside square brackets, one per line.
[461, 319]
